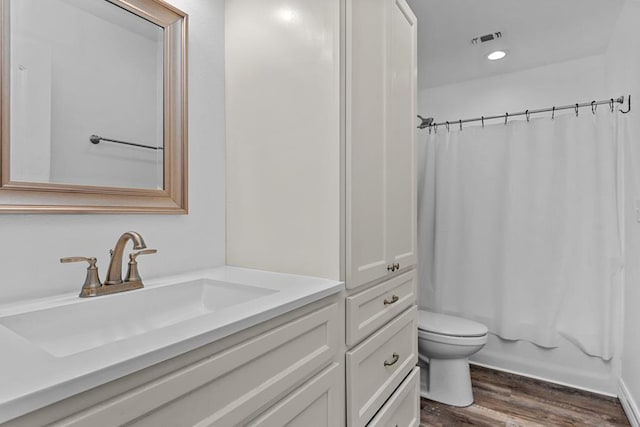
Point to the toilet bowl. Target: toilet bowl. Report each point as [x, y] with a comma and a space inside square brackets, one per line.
[444, 346]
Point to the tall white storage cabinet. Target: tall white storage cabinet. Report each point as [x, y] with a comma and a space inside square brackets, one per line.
[380, 205]
[321, 175]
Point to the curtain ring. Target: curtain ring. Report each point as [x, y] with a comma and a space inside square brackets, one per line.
[526, 113]
[460, 121]
[447, 126]
[611, 104]
[482, 121]
[576, 110]
[594, 107]
[506, 118]
[430, 129]
[435, 128]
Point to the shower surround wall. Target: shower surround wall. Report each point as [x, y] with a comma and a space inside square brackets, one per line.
[564, 83]
[33, 244]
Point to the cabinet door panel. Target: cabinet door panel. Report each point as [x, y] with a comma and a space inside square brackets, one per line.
[367, 257]
[313, 404]
[381, 132]
[401, 134]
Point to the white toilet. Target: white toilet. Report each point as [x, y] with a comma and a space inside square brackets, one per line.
[444, 346]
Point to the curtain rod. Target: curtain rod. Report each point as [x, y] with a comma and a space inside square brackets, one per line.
[428, 122]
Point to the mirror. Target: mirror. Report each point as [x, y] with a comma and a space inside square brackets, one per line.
[93, 106]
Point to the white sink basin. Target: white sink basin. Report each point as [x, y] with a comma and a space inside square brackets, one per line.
[83, 325]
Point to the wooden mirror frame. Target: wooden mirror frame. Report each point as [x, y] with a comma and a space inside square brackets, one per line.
[27, 197]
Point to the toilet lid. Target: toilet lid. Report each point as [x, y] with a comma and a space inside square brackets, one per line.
[449, 325]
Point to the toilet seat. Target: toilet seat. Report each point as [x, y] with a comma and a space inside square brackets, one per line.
[450, 326]
[453, 340]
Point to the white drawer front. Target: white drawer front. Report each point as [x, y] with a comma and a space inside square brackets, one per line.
[379, 364]
[230, 386]
[376, 306]
[403, 408]
[313, 404]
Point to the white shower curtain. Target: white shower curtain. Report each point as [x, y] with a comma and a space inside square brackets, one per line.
[519, 227]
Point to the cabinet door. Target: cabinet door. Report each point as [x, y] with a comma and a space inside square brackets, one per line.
[401, 134]
[381, 95]
[313, 404]
[366, 152]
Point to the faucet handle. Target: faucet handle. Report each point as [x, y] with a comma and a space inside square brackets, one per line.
[92, 280]
[134, 255]
[132, 271]
[91, 261]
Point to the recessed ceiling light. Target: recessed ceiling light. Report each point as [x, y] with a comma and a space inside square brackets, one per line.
[498, 54]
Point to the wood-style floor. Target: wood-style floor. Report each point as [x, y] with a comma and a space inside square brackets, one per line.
[503, 399]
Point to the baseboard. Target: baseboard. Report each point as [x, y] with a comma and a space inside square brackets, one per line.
[548, 380]
[628, 404]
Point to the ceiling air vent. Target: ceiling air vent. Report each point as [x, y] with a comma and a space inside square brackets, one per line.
[486, 38]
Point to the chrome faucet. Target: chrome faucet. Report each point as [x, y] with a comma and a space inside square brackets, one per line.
[114, 273]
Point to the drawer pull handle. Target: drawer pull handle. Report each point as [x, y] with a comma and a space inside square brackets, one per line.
[393, 300]
[394, 359]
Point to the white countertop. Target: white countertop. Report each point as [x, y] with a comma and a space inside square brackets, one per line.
[31, 378]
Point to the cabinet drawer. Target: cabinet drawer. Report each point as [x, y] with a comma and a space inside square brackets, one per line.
[374, 307]
[230, 386]
[403, 408]
[313, 404]
[377, 366]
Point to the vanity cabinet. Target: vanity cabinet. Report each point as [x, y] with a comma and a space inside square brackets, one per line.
[283, 371]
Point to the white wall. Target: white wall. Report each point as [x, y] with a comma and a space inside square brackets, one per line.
[558, 84]
[623, 64]
[33, 244]
[564, 83]
[283, 123]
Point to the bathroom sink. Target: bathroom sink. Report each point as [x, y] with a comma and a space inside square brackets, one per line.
[85, 324]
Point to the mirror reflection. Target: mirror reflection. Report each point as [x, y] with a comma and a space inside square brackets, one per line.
[85, 75]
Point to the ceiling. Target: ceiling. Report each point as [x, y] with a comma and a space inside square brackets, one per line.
[536, 33]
